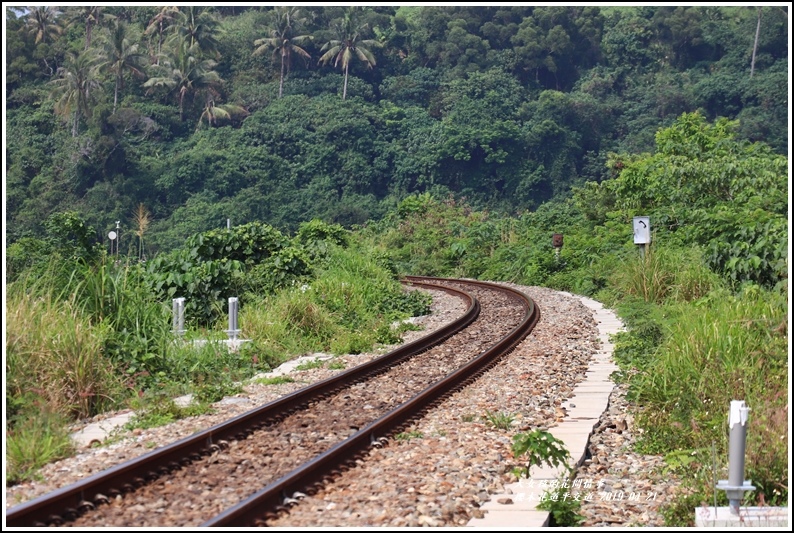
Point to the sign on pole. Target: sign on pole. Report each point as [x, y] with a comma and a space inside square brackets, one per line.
[642, 230]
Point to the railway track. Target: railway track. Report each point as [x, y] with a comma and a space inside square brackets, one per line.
[238, 473]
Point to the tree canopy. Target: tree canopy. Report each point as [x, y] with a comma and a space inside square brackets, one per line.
[202, 113]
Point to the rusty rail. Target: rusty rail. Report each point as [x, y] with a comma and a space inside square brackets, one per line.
[310, 475]
[69, 502]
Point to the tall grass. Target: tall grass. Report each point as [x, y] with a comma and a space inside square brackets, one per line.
[661, 274]
[54, 352]
[728, 347]
[35, 442]
[139, 327]
[288, 323]
[693, 347]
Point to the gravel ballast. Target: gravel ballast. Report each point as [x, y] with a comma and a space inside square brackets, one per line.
[441, 469]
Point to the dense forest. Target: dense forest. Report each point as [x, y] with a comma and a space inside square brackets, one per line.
[172, 120]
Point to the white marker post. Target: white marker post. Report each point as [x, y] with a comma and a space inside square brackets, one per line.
[179, 315]
[233, 330]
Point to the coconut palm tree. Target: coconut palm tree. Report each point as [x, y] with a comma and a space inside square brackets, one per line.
[119, 55]
[161, 22]
[91, 16]
[42, 22]
[349, 45]
[214, 112]
[282, 40]
[76, 87]
[199, 26]
[184, 72]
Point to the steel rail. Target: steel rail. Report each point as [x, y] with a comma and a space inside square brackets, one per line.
[69, 502]
[308, 477]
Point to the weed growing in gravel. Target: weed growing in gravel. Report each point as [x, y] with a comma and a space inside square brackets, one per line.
[159, 409]
[501, 420]
[275, 380]
[468, 417]
[217, 391]
[336, 364]
[309, 365]
[33, 443]
[408, 435]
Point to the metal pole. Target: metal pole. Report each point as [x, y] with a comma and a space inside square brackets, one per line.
[233, 328]
[179, 315]
[735, 485]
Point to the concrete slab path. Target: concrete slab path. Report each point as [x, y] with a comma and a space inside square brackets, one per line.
[516, 508]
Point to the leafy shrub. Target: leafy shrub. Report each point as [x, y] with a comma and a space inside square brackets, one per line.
[28, 254]
[747, 246]
[284, 268]
[248, 243]
[416, 204]
[202, 283]
[316, 231]
[72, 237]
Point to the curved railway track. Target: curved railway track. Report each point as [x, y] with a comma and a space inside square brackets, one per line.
[331, 424]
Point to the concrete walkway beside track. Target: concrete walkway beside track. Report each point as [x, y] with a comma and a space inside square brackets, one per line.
[516, 508]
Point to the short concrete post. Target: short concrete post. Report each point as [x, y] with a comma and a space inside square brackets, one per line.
[735, 485]
[179, 315]
[233, 330]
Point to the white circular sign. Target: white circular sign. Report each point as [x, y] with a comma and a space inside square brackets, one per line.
[112, 235]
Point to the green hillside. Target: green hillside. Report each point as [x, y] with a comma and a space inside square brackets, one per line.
[203, 114]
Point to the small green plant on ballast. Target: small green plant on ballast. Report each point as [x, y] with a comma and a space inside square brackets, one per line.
[539, 447]
[563, 507]
[408, 435]
[310, 365]
[336, 364]
[275, 380]
[500, 420]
